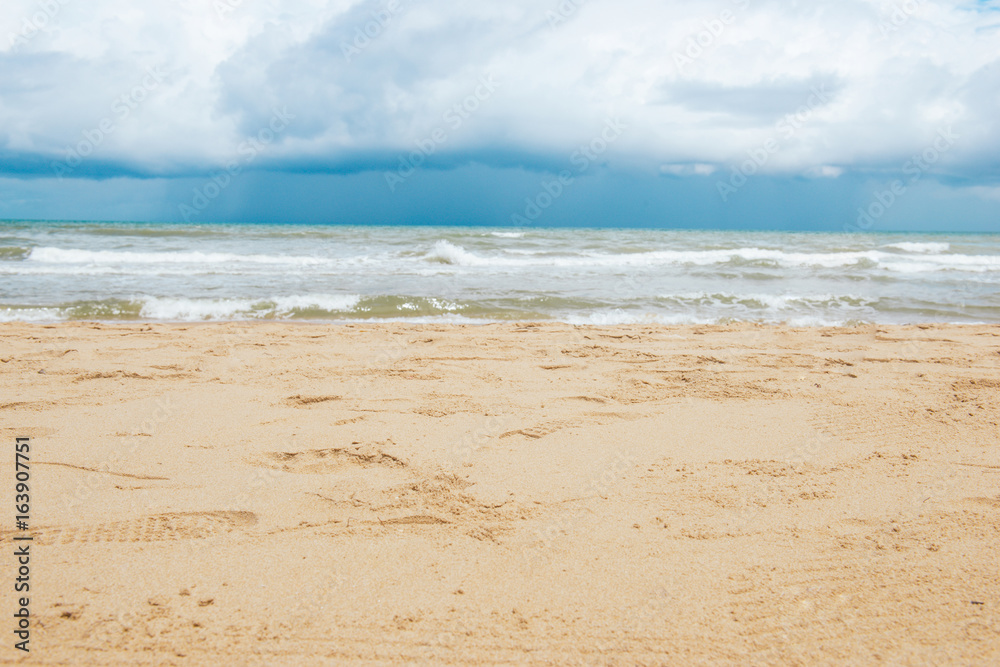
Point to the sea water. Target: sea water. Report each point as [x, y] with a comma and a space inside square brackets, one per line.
[181, 272]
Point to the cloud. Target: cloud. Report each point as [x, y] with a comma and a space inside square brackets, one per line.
[765, 101]
[368, 81]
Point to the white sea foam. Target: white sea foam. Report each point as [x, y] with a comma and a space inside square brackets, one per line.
[26, 269]
[524, 252]
[615, 317]
[327, 302]
[751, 302]
[907, 246]
[220, 309]
[446, 252]
[508, 235]
[59, 261]
[194, 309]
[75, 256]
[30, 314]
[622, 316]
[619, 316]
[449, 253]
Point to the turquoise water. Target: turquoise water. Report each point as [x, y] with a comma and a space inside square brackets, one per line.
[116, 271]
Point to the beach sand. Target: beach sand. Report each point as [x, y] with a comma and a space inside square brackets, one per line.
[298, 494]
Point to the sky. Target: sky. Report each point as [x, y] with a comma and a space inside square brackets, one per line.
[855, 115]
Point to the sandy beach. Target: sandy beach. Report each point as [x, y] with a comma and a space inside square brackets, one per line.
[274, 493]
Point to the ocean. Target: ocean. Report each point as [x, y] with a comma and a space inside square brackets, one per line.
[52, 272]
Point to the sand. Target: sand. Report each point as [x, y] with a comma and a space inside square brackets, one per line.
[282, 494]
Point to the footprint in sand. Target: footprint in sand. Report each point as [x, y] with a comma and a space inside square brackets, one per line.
[318, 461]
[155, 528]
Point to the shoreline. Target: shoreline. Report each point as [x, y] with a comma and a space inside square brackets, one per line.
[496, 323]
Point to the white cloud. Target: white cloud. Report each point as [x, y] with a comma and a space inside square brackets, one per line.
[895, 78]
